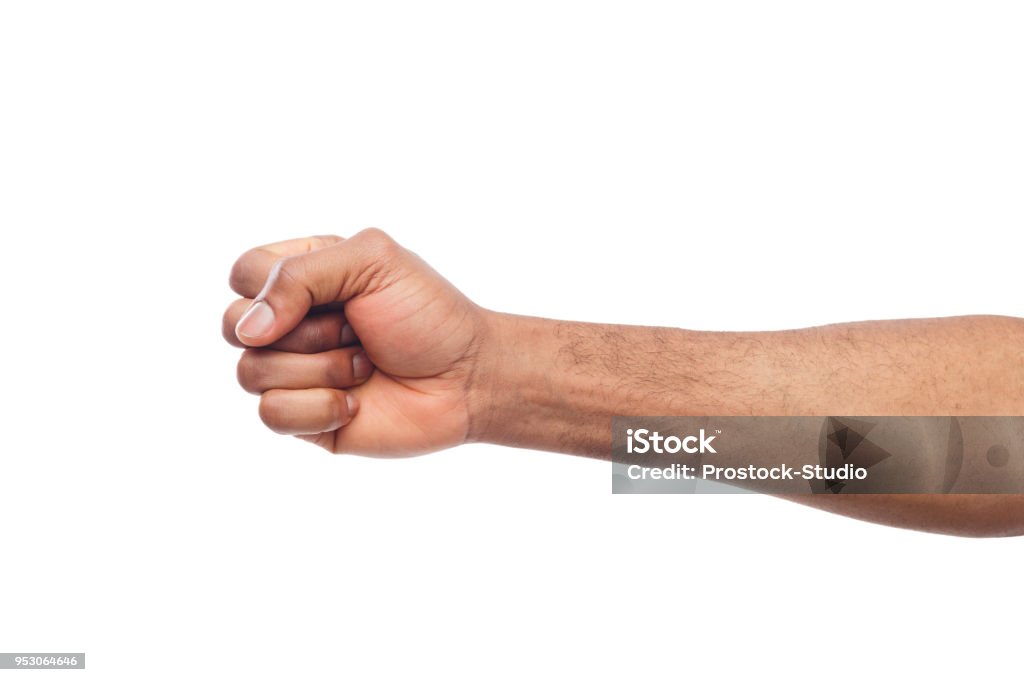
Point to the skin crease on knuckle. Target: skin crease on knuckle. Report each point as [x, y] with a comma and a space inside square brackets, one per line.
[386, 249]
[289, 269]
[322, 332]
[380, 248]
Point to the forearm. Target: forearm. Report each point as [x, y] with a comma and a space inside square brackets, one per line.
[555, 385]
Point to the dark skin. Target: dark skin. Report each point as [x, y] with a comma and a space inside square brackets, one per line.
[412, 366]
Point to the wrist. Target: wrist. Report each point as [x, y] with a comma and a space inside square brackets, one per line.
[495, 377]
[543, 384]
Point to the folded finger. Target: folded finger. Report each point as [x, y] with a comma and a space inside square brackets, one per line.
[261, 370]
[307, 411]
[314, 334]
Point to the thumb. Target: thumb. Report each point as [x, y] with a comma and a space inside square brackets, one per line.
[333, 274]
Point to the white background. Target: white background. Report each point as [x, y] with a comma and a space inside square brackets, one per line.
[712, 165]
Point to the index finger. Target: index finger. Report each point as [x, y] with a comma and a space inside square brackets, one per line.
[250, 271]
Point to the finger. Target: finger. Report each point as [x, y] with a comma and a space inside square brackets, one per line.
[329, 275]
[307, 411]
[314, 334]
[250, 271]
[261, 370]
[231, 316]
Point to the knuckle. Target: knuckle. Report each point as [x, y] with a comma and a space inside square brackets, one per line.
[237, 278]
[320, 241]
[313, 336]
[333, 330]
[325, 332]
[246, 269]
[283, 266]
[371, 233]
[249, 371]
[384, 259]
[271, 410]
[227, 328]
[335, 370]
[339, 407]
[288, 270]
[379, 240]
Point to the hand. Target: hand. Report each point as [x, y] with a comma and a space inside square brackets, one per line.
[355, 344]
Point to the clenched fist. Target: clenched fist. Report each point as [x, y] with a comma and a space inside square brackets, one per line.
[355, 344]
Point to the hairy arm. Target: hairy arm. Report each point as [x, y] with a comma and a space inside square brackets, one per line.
[360, 347]
[556, 385]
